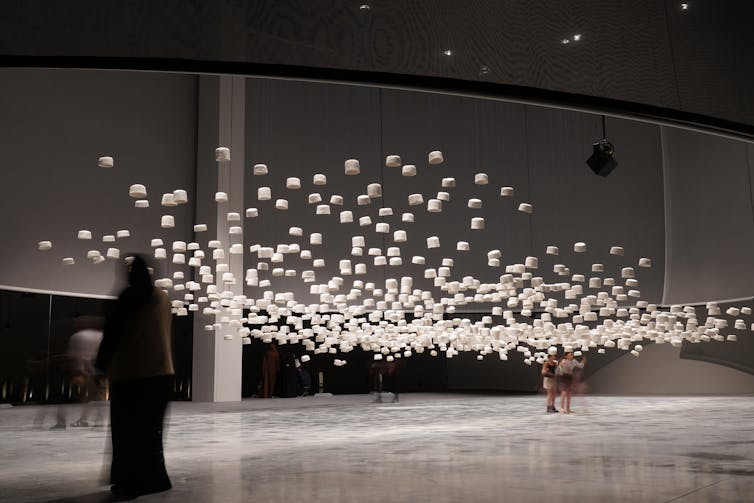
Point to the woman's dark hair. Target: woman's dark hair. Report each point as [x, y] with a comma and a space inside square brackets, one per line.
[140, 287]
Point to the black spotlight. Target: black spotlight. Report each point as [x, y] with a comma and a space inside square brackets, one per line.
[602, 161]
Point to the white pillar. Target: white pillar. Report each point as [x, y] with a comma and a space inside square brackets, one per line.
[221, 122]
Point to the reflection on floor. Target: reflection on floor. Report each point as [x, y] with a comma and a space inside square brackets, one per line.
[427, 448]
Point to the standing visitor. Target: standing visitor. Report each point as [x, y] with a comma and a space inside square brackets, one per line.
[135, 354]
[565, 378]
[548, 381]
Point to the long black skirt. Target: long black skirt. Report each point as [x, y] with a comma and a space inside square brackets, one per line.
[137, 415]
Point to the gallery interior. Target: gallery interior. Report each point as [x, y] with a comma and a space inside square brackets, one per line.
[413, 205]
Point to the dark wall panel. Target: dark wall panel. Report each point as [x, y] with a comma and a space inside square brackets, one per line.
[56, 124]
[300, 128]
[572, 204]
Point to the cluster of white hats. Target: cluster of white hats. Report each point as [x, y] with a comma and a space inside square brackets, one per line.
[527, 311]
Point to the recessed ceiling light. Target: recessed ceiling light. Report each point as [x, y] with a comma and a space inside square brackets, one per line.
[365, 6]
[577, 37]
[684, 6]
[484, 70]
[565, 41]
[447, 52]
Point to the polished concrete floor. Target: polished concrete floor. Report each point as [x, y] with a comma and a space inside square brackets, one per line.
[427, 448]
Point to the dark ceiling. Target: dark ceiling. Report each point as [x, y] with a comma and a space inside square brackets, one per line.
[650, 57]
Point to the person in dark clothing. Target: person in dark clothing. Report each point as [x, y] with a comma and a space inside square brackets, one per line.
[135, 354]
[548, 380]
[288, 374]
[270, 367]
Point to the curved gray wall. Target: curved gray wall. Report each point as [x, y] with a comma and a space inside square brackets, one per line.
[710, 217]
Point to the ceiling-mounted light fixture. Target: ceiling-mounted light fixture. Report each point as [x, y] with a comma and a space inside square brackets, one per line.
[602, 161]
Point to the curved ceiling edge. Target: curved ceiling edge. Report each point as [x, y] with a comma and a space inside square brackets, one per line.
[444, 85]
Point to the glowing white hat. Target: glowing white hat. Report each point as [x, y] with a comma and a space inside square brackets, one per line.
[137, 190]
[352, 167]
[222, 154]
[435, 157]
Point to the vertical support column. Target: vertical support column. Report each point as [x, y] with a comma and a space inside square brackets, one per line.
[217, 359]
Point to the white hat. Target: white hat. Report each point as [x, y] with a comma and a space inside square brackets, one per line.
[374, 190]
[481, 179]
[221, 197]
[281, 204]
[319, 179]
[506, 191]
[168, 199]
[525, 207]
[352, 167]
[477, 223]
[408, 170]
[167, 221]
[44, 245]
[293, 183]
[415, 199]
[393, 161]
[475, 203]
[180, 196]
[264, 193]
[407, 217]
[222, 154]
[137, 190]
[84, 235]
[435, 157]
[105, 162]
[260, 169]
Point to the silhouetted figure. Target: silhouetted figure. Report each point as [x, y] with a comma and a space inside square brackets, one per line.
[135, 354]
[270, 367]
[82, 350]
[288, 379]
